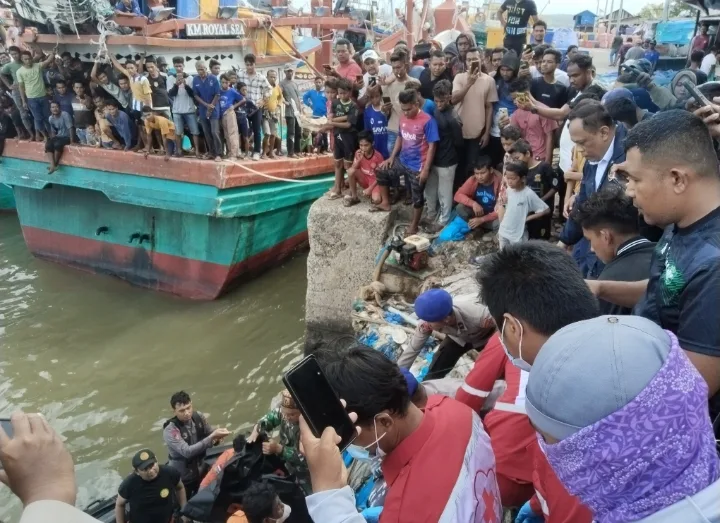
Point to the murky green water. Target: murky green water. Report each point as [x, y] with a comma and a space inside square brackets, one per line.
[100, 359]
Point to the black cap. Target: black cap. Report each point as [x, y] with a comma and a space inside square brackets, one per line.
[161, 60]
[143, 459]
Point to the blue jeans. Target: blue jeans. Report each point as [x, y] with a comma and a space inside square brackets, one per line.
[81, 135]
[392, 138]
[189, 120]
[613, 55]
[40, 109]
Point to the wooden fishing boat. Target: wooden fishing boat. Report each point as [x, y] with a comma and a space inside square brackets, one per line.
[7, 200]
[187, 227]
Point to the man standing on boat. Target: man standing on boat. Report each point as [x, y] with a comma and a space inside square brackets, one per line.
[187, 436]
[515, 15]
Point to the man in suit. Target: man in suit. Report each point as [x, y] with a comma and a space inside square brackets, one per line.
[593, 129]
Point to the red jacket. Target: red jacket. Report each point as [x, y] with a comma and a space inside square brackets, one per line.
[508, 426]
[517, 453]
[466, 194]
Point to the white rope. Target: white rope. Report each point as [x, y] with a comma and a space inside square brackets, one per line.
[293, 180]
[72, 17]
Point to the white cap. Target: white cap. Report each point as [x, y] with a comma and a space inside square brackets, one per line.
[370, 54]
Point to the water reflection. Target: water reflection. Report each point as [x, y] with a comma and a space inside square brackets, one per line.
[100, 359]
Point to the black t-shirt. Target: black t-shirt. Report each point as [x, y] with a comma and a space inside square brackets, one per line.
[542, 178]
[518, 15]
[350, 110]
[427, 84]
[7, 127]
[683, 293]
[151, 501]
[553, 95]
[701, 76]
[158, 86]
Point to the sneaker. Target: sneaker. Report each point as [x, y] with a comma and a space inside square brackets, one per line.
[256, 156]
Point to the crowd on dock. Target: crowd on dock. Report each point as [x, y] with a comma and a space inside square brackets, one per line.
[607, 340]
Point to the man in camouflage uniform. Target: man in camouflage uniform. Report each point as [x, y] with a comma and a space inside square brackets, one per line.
[287, 417]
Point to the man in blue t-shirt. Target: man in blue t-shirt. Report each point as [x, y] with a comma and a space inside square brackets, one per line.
[651, 55]
[414, 149]
[672, 176]
[316, 99]
[376, 122]
[207, 94]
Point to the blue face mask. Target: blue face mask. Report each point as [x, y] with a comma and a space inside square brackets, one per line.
[362, 453]
[518, 362]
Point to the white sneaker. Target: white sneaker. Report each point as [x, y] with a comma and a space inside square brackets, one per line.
[256, 156]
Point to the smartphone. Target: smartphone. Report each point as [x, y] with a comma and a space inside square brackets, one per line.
[358, 78]
[386, 99]
[6, 425]
[372, 82]
[527, 48]
[317, 401]
[474, 67]
[692, 89]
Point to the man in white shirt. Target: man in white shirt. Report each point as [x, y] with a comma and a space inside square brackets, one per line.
[709, 62]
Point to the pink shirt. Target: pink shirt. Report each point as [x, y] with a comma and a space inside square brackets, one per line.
[349, 71]
[534, 129]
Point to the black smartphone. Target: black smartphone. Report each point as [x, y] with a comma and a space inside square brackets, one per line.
[692, 89]
[386, 99]
[317, 401]
[372, 82]
[474, 67]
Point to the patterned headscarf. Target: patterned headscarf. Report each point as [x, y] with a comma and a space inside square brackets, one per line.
[287, 401]
[653, 452]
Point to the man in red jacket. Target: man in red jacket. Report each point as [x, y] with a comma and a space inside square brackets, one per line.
[477, 197]
[533, 290]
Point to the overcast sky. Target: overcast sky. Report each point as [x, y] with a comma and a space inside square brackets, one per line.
[571, 7]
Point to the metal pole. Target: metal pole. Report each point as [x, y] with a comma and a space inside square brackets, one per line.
[609, 15]
[666, 10]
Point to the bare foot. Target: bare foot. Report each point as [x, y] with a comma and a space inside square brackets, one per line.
[52, 169]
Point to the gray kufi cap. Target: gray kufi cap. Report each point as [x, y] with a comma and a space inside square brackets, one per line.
[592, 368]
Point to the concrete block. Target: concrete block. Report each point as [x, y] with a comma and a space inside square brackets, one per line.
[344, 242]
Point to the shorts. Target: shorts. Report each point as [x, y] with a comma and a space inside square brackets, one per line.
[365, 181]
[391, 177]
[56, 144]
[345, 146]
[188, 120]
[269, 126]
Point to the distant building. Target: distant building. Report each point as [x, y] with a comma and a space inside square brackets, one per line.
[584, 21]
[619, 17]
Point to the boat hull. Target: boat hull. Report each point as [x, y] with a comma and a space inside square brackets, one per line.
[186, 239]
[7, 200]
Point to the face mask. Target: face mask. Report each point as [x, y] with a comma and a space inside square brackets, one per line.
[362, 453]
[286, 514]
[518, 362]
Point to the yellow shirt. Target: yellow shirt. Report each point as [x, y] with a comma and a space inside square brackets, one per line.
[274, 99]
[162, 124]
[578, 162]
[141, 92]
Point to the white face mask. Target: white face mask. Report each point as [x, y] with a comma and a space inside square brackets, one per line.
[362, 453]
[286, 514]
[518, 362]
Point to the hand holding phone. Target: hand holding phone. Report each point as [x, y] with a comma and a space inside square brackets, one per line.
[318, 402]
[386, 100]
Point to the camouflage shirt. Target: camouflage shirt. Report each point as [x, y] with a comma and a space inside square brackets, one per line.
[290, 441]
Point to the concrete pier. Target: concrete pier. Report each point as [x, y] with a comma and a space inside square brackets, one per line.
[344, 243]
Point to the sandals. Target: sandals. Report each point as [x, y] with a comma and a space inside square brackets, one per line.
[349, 201]
[332, 195]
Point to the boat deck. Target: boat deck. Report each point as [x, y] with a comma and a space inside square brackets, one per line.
[222, 175]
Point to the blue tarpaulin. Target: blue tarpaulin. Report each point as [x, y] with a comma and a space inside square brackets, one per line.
[678, 32]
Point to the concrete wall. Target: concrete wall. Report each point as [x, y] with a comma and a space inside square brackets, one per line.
[344, 242]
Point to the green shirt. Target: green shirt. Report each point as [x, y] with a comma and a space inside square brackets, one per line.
[32, 79]
[11, 70]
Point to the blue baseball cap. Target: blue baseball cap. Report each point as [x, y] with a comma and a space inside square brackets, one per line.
[412, 382]
[618, 93]
[434, 305]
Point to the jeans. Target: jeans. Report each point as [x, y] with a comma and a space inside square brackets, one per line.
[40, 109]
[189, 120]
[294, 132]
[211, 130]
[25, 115]
[81, 135]
[613, 56]
[392, 138]
[255, 121]
[439, 189]
[232, 136]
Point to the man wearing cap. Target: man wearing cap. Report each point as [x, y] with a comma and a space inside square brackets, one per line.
[532, 290]
[287, 417]
[464, 320]
[620, 104]
[152, 490]
[622, 414]
[375, 71]
[293, 107]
